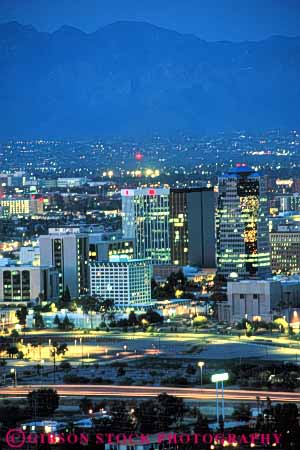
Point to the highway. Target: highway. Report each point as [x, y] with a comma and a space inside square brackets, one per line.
[204, 394]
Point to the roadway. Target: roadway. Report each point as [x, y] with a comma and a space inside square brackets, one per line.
[204, 394]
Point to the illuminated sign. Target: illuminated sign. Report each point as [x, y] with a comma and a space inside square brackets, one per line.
[220, 377]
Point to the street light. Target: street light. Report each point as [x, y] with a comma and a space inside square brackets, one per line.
[125, 348]
[201, 365]
[220, 378]
[81, 343]
[13, 371]
[41, 368]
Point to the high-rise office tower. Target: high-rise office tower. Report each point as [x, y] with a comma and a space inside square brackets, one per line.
[145, 218]
[242, 225]
[192, 226]
[67, 250]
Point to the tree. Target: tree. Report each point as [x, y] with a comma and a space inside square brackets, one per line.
[67, 324]
[38, 320]
[199, 321]
[66, 297]
[121, 372]
[190, 370]
[57, 349]
[21, 315]
[86, 404]
[122, 420]
[12, 350]
[242, 412]
[57, 321]
[132, 319]
[90, 304]
[43, 402]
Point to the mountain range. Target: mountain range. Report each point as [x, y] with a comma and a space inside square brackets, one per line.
[136, 79]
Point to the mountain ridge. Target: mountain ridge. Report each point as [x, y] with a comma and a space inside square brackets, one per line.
[133, 78]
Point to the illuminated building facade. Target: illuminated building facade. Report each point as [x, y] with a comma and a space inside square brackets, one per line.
[104, 249]
[145, 218]
[126, 283]
[27, 283]
[285, 251]
[192, 227]
[242, 226]
[68, 251]
[21, 207]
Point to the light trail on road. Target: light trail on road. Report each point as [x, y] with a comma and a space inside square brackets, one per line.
[201, 394]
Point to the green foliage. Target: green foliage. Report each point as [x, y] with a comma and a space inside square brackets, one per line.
[43, 402]
[38, 320]
[21, 315]
[199, 321]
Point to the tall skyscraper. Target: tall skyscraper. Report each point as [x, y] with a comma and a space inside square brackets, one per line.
[145, 218]
[192, 227]
[242, 224]
[67, 250]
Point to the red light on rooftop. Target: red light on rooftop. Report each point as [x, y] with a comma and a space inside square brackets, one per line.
[127, 192]
[151, 192]
[139, 156]
[41, 200]
[32, 196]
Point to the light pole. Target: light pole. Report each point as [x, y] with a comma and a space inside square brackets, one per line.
[49, 345]
[201, 365]
[41, 368]
[81, 343]
[13, 371]
[220, 378]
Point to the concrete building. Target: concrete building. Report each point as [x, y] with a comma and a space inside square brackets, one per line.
[67, 250]
[285, 250]
[126, 282]
[192, 227]
[30, 255]
[21, 206]
[242, 224]
[28, 283]
[104, 247]
[145, 218]
[260, 299]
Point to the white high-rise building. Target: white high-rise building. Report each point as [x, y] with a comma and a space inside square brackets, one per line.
[127, 282]
[67, 250]
[145, 218]
[243, 247]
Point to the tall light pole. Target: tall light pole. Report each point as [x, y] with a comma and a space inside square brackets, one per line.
[201, 365]
[81, 342]
[220, 378]
[41, 368]
[14, 371]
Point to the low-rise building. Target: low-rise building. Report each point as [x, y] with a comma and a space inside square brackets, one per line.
[26, 283]
[259, 299]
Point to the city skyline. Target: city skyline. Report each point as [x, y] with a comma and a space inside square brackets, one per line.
[150, 224]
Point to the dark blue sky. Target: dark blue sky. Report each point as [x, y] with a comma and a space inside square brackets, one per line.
[209, 19]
